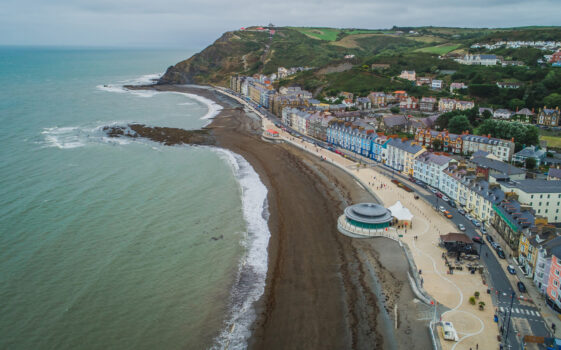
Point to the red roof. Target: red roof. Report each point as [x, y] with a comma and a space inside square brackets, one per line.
[271, 131]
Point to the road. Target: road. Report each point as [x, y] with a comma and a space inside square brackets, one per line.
[525, 317]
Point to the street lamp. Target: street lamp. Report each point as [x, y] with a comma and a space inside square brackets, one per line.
[508, 321]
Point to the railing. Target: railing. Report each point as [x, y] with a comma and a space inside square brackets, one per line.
[354, 231]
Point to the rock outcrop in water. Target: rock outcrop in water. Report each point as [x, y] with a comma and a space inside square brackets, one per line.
[166, 136]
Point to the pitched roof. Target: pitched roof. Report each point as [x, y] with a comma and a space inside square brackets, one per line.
[407, 146]
[455, 237]
[554, 172]
[497, 165]
[536, 185]
[524, 111]
[394, 120]
[438, 159]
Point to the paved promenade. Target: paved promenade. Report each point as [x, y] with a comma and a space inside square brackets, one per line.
[476, 328]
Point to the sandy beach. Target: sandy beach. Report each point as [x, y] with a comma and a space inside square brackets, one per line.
[323, 290]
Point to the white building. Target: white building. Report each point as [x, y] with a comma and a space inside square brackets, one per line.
[480, 60]
[544, 196]
[401, 155]
[428, 167]
[502, 114]
[502, 149]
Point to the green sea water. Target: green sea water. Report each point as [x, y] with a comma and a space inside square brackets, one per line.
[118, 244]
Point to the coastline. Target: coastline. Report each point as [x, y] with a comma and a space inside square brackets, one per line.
[322, 289]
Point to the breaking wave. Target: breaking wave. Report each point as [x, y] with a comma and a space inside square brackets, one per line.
[252, 269]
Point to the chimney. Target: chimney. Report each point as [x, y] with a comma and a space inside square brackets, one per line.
[489, 135]
[512, 139]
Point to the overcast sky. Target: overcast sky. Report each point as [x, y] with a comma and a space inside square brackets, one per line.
[195, 24]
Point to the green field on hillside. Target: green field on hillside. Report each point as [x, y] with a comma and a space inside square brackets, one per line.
[552, 141]
[364, 31]
[439, 49]
[329, 34]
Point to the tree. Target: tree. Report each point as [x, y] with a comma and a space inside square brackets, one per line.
[552, 100]
[502, 129]
[437, 144]
[515, 104]
[458, 124]
[530, 163]
[394, 109]
[486, 114]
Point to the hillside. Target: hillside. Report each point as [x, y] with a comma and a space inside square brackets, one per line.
[256, 50]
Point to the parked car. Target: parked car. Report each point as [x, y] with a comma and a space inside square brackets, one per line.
[477, 239]
[476, 223]
[444, 198]
[441, 209]
[447, 214]
[483, 230]
[461, 227]
[461, 211]
[452, 204]
[433, 190]
[439, 195]
[489, 239]
[521, 287]
[501, 254]
[511, 269]
[469, 217]
[495, 245]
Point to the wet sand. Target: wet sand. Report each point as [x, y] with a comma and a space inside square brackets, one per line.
[323, 290]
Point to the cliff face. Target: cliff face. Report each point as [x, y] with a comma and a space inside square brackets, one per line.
[233, 52]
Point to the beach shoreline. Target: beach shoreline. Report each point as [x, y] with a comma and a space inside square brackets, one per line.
[322, 289]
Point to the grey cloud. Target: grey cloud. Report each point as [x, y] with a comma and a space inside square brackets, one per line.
[195, 24]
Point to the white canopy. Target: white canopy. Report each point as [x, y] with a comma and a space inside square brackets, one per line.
[400, 212]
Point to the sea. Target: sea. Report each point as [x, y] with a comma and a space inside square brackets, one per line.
[119, 243]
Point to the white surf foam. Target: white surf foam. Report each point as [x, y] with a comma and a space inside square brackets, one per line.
[252, 269]
[69, 137]
[213, 107]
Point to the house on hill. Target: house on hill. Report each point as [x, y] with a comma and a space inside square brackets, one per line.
[478, 60]
[427, 104]
[502, 114]
[393, 123]
[408, 75]
[457, 86]
[525, 116]
[548, 117]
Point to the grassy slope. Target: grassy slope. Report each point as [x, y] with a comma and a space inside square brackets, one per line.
[439, 49]
[320, 47]
[552, 141]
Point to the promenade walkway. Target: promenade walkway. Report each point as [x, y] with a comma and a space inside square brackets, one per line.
[476, 329]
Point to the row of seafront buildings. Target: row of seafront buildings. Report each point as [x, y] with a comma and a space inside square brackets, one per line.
[494, 192]
[498, 194]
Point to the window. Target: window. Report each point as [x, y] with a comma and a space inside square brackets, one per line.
[541, 196]
[546, 211]
[540, 204]
[554, 293]
[555, 283]
[556, 272]
[539, 211]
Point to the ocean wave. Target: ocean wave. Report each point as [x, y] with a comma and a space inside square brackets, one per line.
[252, 269]
[213, 107]
[69, 137]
